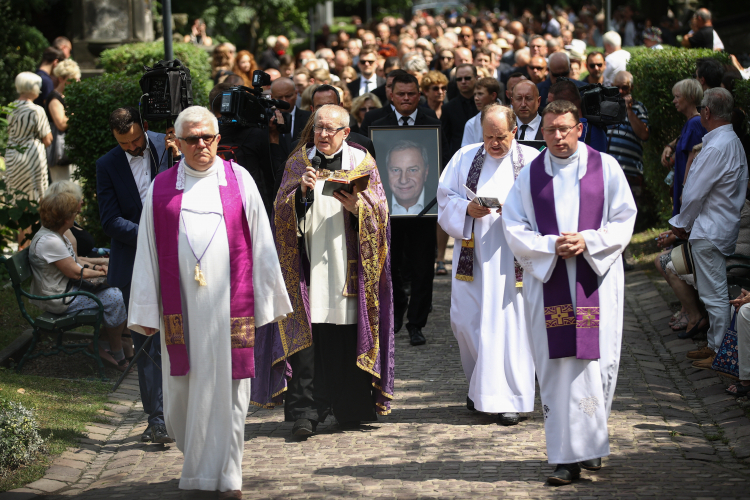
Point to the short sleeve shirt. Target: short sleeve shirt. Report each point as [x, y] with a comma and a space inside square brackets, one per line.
[46, 248]
[703, 38]
[624, 145]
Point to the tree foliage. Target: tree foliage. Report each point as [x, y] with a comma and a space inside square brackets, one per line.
[654, 74]
[21, 47]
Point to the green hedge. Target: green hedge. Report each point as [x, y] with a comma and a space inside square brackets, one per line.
[21, 47]
[130, 59]
[89, 104]
[742, 97]
[654, 74]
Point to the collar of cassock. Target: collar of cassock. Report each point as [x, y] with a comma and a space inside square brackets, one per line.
[330, 162]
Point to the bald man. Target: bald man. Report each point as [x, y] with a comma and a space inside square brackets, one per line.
[525, 101]
[284, 89]
[559, 67]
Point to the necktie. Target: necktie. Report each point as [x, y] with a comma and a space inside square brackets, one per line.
[404, 121]
[523, 132]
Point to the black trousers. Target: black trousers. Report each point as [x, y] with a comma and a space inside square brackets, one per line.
[413, 246]
[325, 379]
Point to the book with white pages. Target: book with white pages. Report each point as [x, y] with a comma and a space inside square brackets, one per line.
[485, 201]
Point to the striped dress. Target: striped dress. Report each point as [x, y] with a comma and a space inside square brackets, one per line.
[27, 171]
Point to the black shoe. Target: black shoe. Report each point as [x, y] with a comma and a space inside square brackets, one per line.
[146, 436]
[415, 335]
[627, 267]
[470, 404]
[304, 427]
[593, 464]
[509, 418]
[159, 434]
[564, 474]
[398, 322]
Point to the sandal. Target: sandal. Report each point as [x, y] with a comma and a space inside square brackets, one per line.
[676, 317]
[739, 389]
[695, 330]
[680, 324]
[440, 270]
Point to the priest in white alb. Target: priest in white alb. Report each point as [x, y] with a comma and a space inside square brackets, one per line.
[567, 220]
[206, 275]
[487, 310]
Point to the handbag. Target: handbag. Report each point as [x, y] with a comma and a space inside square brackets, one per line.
[92, 285]
[726, 360]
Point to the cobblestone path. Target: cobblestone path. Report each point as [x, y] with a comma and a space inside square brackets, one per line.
[674, 434]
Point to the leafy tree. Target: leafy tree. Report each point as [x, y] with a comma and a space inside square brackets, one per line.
[21, 47]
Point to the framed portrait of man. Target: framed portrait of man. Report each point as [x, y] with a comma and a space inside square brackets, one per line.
[409, 166]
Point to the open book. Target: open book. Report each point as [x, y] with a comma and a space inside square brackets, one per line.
[485, 201]
[349, 184]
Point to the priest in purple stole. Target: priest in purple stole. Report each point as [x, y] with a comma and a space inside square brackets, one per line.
[206, 275]
[334, 354]
[568, 219]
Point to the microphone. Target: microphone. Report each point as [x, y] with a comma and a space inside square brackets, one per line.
[316, 165]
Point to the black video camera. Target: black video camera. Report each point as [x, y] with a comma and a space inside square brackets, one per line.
[168, 90]
[249, 107]
[602, 105]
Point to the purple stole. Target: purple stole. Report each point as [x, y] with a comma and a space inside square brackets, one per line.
[167, 201]
[568, 334]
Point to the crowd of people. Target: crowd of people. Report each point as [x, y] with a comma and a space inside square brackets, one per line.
[244, 260]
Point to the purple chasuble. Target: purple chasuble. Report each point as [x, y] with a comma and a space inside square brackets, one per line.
[568, 334]
[167, 201]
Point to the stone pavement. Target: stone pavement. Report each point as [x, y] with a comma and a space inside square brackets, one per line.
[674, 434]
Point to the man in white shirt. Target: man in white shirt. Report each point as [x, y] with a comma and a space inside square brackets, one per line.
[616, 58]
[368, 79]
[408, 167]
[526, 100]
[486, 92]
[713, 196]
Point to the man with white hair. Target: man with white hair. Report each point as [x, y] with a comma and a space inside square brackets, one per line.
[487, 313]
[710, 213]
[333, 240]
[206, 276]
[616, 58]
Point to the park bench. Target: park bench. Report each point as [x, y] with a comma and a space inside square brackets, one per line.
[19, 269]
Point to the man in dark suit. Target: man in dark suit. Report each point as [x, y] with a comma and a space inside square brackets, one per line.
[368, 80]
[283, 89]
[459, 110]
[123, 177]
[525, 101]
[413, 239]
[327, 94]
[559, 67]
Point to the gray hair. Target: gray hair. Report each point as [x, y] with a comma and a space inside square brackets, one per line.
[341, 113]
[403, 146]
[195, 115]
[65, 187]
[719, 100]
[417, 64]
[612, 38]
[704, 14]
[521, 53]
[690, 89]
[505, 111]
[28, 83]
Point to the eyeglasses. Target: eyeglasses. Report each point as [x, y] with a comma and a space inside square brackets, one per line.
[536, 68]
[367, 61]
[595, 65]
[564, 131]
[437, 88]
[624, 88]
[464, 78]
[328, 131]
[193, 140]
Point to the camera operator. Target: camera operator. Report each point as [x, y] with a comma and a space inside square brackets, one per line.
[259, 150]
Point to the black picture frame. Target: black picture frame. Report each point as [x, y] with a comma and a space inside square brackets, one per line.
[428, 139]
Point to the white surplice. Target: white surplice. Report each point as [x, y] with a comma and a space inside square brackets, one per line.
[576, 393]
[487, 314]
[205, 410]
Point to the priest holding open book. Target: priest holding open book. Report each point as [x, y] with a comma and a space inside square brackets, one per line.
[487, 310]
[332, 235]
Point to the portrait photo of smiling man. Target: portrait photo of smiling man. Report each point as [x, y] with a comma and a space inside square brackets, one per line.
[408, 167]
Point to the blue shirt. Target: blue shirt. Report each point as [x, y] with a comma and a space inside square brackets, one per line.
[594, 135]
[624, 145]
[692, 134]
[47, 87]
